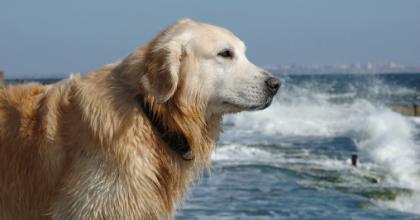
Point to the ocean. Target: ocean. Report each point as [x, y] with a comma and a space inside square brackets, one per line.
[293, 160]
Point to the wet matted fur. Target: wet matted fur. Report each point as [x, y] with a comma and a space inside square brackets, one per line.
[83, 148]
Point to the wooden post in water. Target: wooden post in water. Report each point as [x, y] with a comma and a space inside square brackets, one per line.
[354, 160]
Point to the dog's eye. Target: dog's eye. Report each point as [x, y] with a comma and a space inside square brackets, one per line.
[226, 53]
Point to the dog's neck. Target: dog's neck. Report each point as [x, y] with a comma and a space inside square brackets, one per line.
[175, 140]
[184, 126]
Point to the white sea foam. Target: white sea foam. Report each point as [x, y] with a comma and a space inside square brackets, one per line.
[410, 203]
[387, 138]
[416, 120]
[238, 152]
[304, 119]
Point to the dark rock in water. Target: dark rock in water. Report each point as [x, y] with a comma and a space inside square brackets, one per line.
[407, 110]
[417, 110]
[371, 179]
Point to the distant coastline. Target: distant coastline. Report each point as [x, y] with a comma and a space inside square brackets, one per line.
[294, 69]
[368, 68]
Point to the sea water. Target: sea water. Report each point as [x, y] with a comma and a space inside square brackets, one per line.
[293, 160]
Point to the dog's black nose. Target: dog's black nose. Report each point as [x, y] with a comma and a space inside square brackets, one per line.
[273, 85]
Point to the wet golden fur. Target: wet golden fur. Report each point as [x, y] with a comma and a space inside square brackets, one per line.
[82, 148]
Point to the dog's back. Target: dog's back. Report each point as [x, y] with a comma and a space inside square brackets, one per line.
[51, 166]
[22, 177]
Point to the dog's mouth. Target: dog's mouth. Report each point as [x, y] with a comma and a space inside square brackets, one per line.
[244, 107]
[260, 107]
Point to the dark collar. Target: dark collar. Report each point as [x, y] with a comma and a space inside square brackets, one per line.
[175, 141]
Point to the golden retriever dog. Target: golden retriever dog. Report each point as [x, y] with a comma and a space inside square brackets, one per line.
[126, 140]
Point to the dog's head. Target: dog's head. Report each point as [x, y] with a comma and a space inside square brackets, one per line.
[202, 64]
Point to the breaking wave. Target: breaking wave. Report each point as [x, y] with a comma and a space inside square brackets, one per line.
[387, 141]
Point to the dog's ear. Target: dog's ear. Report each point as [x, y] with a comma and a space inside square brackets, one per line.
[154, 68]
[162, 65]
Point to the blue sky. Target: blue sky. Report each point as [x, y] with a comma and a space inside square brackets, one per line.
[49, 38]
